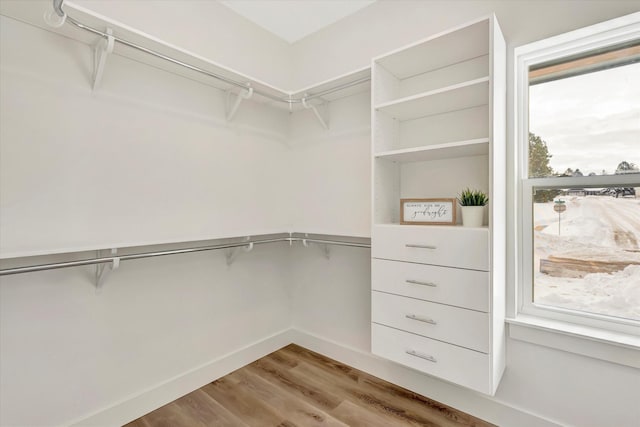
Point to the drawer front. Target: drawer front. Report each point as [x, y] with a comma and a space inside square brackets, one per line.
[462, 288]
[462, 247]
[466, 328]
[457, 365]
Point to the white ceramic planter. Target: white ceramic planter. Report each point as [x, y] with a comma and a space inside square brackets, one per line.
[472, 216]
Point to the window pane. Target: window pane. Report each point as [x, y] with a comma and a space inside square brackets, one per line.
[586, 249]
[586, 124]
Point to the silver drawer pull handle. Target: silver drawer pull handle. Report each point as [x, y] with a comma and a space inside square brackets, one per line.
[421, 319]
[421, 356]
[410, 245]
[418, 282]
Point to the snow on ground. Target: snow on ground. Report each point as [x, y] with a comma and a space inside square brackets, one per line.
[602, 227]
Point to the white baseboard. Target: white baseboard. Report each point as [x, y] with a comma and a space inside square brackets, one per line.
[152, 398]
[479, 405]
[482, 406]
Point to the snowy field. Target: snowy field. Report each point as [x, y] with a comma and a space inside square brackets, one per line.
[599, 228]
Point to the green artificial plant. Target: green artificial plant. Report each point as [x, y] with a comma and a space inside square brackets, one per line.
[470, 197]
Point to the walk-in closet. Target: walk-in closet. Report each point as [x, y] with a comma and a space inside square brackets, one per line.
[199, 209]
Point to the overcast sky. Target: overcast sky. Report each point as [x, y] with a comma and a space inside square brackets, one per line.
[590, 122]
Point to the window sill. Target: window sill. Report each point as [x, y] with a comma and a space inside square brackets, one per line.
[613, 347]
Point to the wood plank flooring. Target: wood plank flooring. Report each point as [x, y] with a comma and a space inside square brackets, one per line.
[297, 387]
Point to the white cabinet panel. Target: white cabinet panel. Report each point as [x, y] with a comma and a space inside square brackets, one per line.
[451, 98]
[458, 287]
[456, 364]
[459, 326]
[447, 246]
[439, 127]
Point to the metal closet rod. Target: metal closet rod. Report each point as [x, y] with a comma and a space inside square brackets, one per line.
[108, 259]
[57, 7]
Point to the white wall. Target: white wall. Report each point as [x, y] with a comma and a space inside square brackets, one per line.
[158, 318]
[332, 297]
[330, 170]
[206, 28]
[561, 387]
[147, 157]
[350, 43]
[67, 352]
[540, 387]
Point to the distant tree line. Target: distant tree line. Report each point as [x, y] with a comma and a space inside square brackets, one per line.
[539, 167]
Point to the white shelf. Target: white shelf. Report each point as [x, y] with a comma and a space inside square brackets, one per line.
[437, 127]
[439, 50]
[472, 147]
[467, 94]
[423, 227]
[32, 12]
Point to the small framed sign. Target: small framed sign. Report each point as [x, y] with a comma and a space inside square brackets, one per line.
[428, 211]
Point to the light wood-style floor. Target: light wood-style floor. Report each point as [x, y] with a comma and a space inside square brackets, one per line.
[297, 387]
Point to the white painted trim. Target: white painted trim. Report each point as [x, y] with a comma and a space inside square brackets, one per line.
[145, 401]
[604, 33]
[488, 408]
[532, 322]
[578, 339]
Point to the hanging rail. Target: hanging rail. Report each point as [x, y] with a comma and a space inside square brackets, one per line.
[57, 8]
[119, 258]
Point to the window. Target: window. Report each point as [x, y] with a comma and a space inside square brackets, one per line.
[578, 145]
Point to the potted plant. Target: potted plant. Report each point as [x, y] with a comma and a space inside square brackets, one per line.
[472, 203]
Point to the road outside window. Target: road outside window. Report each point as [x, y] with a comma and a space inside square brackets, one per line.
[584, 122]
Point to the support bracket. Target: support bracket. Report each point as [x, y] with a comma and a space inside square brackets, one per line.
[103, 270]
[233, 109]
[101, 51]
[55, 17]
[325, 248]
[323, 117]
[232, 254]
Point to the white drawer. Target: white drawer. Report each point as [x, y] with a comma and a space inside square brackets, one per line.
[449, 362]
[466, 328]
[451, 246]
[462, 288]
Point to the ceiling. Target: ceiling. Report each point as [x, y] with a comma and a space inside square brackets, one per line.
[293, 20]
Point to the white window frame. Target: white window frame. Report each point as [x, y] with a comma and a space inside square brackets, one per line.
[588, 325]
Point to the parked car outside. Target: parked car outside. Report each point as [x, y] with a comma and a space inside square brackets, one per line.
[627, 191]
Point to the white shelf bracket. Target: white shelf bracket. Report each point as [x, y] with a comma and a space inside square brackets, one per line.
[325, 248]
[52, 18]
[233, 109]
[232, 254]
[101, 51]
[323, 117]
[103, 270]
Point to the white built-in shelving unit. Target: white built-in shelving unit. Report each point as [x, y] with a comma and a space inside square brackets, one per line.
[438, 125]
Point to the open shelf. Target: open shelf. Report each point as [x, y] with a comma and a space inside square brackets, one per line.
[439, 50]
[32, 12]
[437, 128]
[467, 94]
[473, 147]
[424, 227]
